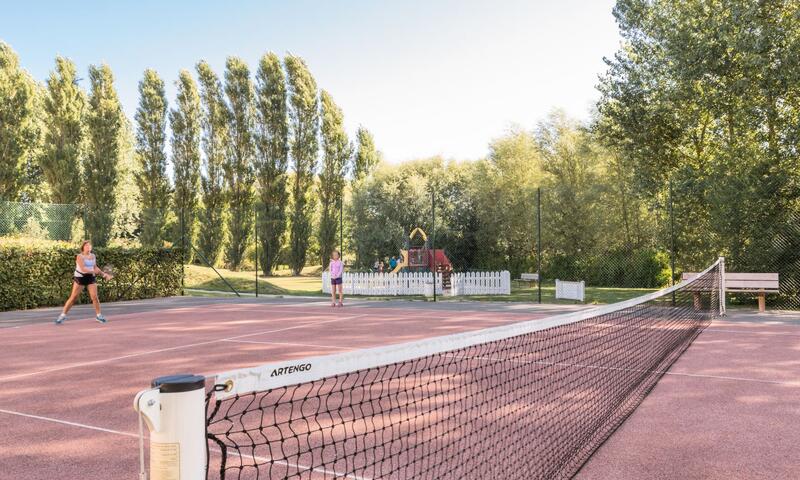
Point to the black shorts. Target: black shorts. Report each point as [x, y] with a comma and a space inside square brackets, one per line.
[336, 281]
[85, 280]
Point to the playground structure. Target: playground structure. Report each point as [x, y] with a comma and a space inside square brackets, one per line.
[423, 258]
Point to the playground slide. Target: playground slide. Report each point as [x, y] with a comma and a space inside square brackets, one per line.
[403, 264]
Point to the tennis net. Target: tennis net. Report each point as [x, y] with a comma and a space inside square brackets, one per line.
[531, 400]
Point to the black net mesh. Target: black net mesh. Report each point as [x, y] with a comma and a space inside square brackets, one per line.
[526, 407]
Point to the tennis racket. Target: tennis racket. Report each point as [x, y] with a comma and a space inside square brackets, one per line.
[108, 270]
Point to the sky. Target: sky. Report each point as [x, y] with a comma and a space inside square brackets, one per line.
[436, 77]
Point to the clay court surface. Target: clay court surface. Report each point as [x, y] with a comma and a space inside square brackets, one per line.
[729, 408]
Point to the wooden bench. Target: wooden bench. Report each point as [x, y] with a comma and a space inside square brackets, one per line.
[758, 283]
[529, 278]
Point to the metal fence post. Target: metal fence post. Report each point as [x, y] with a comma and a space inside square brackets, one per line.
[433, 237]
[671, 241]
[183, 254]
[255, 228]
[539, 242]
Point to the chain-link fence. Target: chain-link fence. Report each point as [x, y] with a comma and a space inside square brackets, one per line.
[620, 249]
[42, 221]
[639, 246]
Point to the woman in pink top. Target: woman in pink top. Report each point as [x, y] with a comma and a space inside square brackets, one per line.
[337, 269]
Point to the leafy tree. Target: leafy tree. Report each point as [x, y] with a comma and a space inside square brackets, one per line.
[336, 153]
[366, 157]
[128, 208]
[215, 139]
[303, 116]
[712, 108]
[152, 181]
[396, 199]
[272, 158]
[238, 166]
[64, 107]
[505, 190]
[185, 120]
[573, 185]
[18, 132]
[104, 125]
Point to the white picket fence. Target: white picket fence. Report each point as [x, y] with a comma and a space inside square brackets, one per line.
[570, 290]
[415, 283]
[481, 283]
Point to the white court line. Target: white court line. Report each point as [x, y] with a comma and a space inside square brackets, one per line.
[136, 435]
[169, 349]
[636, 370]
[292, 344]
[746, 332]
[71, 424]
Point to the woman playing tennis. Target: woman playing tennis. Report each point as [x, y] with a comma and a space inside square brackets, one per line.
[337, 269]
[84, 276]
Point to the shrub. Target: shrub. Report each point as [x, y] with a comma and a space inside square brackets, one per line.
[624, 268]
[38, 274]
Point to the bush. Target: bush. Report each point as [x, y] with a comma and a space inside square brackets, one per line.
[644, 268]
[623, 268]
[39, 274]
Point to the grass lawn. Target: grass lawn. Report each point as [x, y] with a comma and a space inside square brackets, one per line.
[309, 283]
[204, 278]
[594, 295]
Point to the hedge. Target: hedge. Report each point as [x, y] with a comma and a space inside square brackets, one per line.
[622, 268]
[40, 275]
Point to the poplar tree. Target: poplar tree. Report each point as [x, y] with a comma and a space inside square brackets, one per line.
[336, 153]
[185, 124]
[366, 157]
[214, 141]
[239, 159]
[272, 158]
[151, 179]
[303, 122]
[104, 124]
[18, 132]
[64, 105]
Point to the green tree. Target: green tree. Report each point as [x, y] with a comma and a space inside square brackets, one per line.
[128, 208]
[185, 121]
[304, 127]
[272, 158]
[64, 106]
[396, 199]
[711, 107]
[366, 156]
[18, 132]
[504, 187]
[239, 159]
[104, 124]
[336, 152]
[214, 140]
[151, 137]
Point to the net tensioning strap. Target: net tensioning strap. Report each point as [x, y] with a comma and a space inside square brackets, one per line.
[531, 400]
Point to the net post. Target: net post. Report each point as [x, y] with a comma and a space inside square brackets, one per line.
[255, 234]
[722, 310]
[174, 410]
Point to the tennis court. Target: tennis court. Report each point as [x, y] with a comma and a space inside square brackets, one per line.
[727, 409]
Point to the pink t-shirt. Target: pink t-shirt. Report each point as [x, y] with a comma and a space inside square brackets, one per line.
[337, 268]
